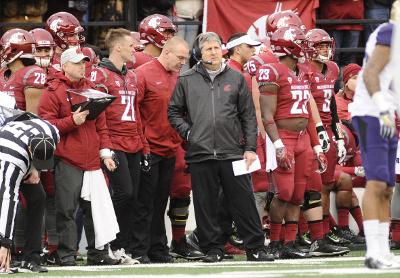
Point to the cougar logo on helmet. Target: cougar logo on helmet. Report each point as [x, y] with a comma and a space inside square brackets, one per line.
[154, 22]
[55, 24]
[289, 35]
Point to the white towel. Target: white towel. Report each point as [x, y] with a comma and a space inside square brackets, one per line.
[270, 160]
[94, 189]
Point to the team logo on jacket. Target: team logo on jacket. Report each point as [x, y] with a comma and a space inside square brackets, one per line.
[317, 79]
[227, 88]
[118, 84]
[290, 80]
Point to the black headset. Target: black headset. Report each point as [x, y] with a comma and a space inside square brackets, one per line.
[196, 47]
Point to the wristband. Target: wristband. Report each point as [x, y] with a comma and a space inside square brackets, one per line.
[6, 242]
[320, 128]
[269, 123]
[278, 144]
[339, 130]
[379, 101]
[317, 149]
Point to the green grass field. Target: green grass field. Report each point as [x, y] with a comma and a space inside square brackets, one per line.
[351, 265]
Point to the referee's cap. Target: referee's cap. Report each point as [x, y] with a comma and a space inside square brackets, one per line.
[42, 147]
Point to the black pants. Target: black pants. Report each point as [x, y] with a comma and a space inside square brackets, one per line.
[224, 217]
[125, 183]
[149, 235]
[207, 177]
[35, 202]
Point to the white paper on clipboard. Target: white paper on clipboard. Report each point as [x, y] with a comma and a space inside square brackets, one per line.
[239, 166]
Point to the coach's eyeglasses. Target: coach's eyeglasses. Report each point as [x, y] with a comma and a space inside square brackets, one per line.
[180, 58]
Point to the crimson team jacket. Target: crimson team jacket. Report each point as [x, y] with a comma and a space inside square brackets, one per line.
[155, 86]
[79, 146]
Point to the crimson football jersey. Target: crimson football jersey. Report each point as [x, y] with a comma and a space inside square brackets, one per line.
[15, 86]
[294, 90]
[55, 66]
[235, 65]
[122, 114]
[322, 89]
[138, 59]
[256, 61]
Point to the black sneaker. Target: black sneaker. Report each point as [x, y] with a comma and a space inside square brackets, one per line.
[32, 267]
[16, 259]
[321, 249]
[349, 234]
[67, 263]
[103, 259]
[394, 245]
[143, 259]
[259, 255]
[160, 258]
[193, 241]
[184, 250]
[78, 257]
[292, 251]
[304, 239]
[228, 257]
[275, 249]
[212, 257]
[334, 237]
[53, 259]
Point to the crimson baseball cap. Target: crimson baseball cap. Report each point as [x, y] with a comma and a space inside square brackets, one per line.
[42, 147]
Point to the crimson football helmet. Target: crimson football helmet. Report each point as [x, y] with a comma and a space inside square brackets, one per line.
[15, 44]
[152, 29]
[63, 24]
[264, 47]
[137, 42]
[283, 19]
[289, 41]
[43, 40]
[315, 38]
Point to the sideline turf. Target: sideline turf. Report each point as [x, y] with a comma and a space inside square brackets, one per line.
[351, 265]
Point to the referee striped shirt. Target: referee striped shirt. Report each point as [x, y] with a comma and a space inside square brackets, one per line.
[15, 163]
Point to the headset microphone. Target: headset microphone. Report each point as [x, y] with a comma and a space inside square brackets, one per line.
[207, 62]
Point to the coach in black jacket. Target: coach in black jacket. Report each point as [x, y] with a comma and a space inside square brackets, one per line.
[211, 107]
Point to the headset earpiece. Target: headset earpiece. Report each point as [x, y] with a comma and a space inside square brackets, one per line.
[196, 49]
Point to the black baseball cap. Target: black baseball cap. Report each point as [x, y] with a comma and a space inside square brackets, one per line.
[42, 147]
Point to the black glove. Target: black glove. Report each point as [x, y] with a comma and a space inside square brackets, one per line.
[146, 162]
[115, 158]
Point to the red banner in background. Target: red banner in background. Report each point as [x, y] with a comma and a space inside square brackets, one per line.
[227, 17]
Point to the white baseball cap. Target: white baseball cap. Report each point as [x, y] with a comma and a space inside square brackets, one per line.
[246, 39]
[74, 55]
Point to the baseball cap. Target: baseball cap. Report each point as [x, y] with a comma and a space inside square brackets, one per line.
[42, 147]
[74, 55]
[246, 39]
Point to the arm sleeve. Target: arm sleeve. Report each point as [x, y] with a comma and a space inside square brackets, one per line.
[146, 147]
[49, 110]
[102, 131]
[335, 118]
[177, 109]
[349, 170]
[311, 127]
[247, 114]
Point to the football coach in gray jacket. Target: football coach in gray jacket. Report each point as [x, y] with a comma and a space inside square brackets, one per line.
[211, 107]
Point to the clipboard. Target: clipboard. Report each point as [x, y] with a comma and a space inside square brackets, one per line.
[96, 101]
